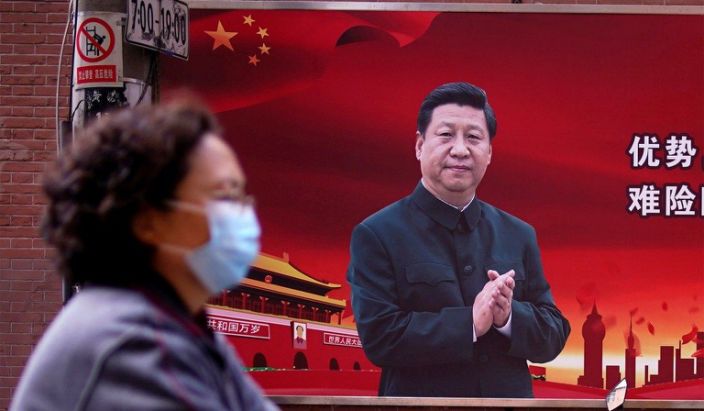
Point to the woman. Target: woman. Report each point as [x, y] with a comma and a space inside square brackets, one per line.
[148, 213]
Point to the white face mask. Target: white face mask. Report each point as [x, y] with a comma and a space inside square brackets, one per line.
[224, 260]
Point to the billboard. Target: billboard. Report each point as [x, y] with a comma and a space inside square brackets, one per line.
[599, 147]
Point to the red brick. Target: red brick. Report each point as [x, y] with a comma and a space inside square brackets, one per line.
[45, 112]
[24, 6]
[54, 39]
[42, 307]
[48, 70]
[15, 361]
[22, 90]
[22, 70]
[22, 275]
[23, 178]
[50, 91]
[4, 198]
[23, 167]
[24, 221]
[23, 18]
[22, 253]
[17, 339]
[45, 134]
[24, 49]
[53, 7]
[23, 285]
[9, 381]
[23, 59]
[21, 199]
[21, 350]
[15, 155]
[39, 243]
[15, 232]
[6, 28]
[21, 264]
[18, 144]
[21, 243]
[53, 297]
[52, 283]
[22, 122]
[24, 28]
[26, 101]
[15, 80]
[56, 17]
[39, 200]
[22, 111]
[7, 38]
[52, 28]
[44, 156]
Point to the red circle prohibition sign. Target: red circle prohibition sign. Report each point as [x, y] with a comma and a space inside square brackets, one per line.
[82, 32]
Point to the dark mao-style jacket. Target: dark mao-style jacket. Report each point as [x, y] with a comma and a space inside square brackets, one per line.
[416, 267]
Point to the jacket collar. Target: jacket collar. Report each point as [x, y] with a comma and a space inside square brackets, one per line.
[442, 213]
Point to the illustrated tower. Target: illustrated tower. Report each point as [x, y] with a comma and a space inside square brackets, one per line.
[593, 332]
[631, 358]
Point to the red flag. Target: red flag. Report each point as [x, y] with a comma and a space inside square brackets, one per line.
[651, 328]
[240, 58]
[640, 321]
[691, 335]
[698, 353]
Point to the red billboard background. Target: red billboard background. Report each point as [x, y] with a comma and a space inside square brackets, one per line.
[323, 121]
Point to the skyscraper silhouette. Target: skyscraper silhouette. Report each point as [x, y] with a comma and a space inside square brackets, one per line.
[631, 358]
[593, 332]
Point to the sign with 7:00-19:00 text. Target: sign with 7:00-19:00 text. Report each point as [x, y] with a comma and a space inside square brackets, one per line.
[159, 25]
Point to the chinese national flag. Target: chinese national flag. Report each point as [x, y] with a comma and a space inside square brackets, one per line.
[241, 58]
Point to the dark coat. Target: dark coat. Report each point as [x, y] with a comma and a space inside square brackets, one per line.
[416, 267]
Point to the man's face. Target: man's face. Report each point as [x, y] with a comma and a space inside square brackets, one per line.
[454, 152]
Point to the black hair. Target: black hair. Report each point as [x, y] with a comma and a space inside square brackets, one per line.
[463, 94]
[125, 161]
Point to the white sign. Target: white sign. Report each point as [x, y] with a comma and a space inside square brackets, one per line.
[98, 58]
[342, 340]
[159, 25]
[239, 328]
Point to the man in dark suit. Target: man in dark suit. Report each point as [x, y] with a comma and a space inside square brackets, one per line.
[448, 291]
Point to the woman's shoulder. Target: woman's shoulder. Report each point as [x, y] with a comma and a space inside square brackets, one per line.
[97, 325]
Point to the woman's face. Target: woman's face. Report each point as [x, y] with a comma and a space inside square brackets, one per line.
[214, 174]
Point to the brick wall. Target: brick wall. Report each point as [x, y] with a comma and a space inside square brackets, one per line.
[30, 293]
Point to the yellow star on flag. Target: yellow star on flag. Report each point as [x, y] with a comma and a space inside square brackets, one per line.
[221, 37]
[248, 20]
[264, 49]
[254, 60]
[262, 32]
